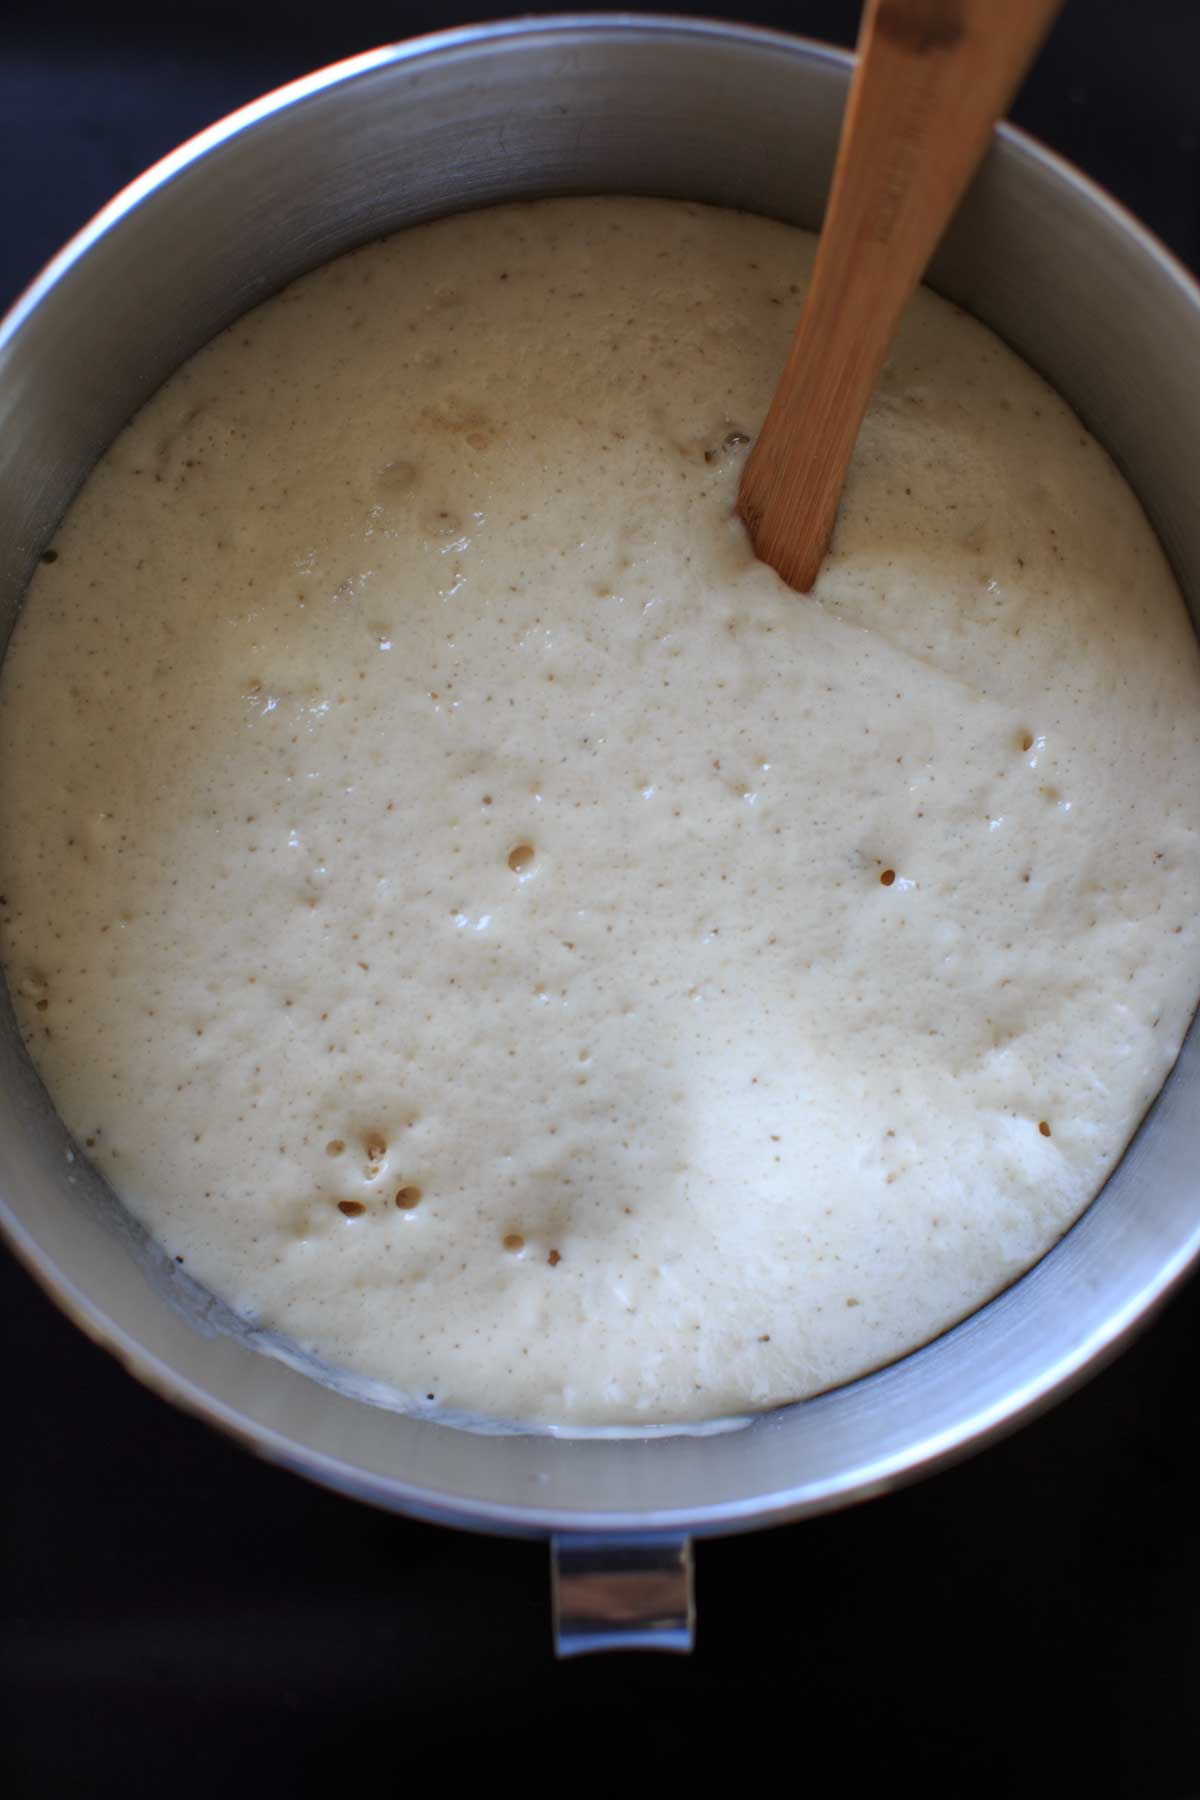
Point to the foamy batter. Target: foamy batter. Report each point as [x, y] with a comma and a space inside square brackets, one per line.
[497, 934]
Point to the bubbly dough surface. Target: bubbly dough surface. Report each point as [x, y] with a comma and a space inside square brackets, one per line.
[500, 936]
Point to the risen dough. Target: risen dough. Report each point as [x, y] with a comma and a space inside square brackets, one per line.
[497, 933]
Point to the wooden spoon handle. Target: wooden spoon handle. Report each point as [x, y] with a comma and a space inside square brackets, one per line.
[932, 78]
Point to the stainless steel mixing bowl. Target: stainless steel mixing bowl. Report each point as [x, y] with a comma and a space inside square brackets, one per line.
[588, 104]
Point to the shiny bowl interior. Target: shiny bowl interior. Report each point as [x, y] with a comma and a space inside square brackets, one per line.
[686, 109]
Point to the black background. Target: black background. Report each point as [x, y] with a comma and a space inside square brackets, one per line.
[179, 1617]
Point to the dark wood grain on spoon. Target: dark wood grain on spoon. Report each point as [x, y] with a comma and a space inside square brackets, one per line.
[932, 78]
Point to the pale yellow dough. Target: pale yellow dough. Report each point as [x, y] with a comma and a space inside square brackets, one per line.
[428, 568]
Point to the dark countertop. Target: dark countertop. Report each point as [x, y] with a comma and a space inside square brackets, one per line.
[177, 1615]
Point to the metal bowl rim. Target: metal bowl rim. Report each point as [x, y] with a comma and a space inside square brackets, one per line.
[864, 1482]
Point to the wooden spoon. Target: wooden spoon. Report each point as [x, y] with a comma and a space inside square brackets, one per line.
[933, 76]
